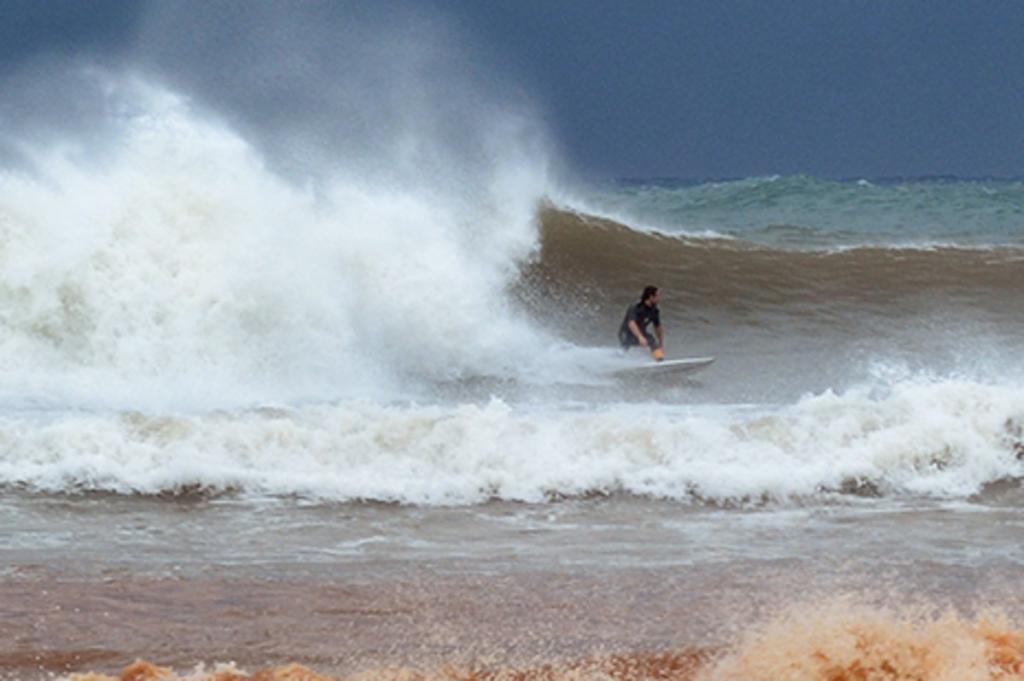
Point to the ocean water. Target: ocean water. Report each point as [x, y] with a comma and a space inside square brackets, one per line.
[801, 212]
[369, 423]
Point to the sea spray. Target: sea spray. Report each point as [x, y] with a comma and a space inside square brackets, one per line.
[177, 267]
[842, 638]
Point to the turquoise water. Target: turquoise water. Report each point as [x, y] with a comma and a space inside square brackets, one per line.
[801, 211]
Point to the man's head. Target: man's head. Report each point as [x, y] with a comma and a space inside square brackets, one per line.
[650, 295]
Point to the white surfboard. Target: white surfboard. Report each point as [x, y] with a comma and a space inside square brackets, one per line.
[667, 367]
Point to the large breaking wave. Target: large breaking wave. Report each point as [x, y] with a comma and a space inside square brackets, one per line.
[178, 265]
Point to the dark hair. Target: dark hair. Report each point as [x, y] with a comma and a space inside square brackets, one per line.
[648, 292]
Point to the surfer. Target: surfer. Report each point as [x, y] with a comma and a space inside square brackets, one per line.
[633, 330]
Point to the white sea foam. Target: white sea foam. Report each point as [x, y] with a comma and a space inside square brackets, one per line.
[943, 439]
[178, 268]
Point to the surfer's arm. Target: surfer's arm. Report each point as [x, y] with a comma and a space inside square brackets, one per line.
[660, 334]
[634, 328]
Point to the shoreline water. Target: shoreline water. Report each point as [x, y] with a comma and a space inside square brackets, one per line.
[436, 624]
[620, 587]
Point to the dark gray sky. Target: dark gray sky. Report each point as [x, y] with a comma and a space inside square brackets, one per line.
[694, 89]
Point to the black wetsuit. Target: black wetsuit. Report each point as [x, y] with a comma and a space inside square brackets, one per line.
[643, 315]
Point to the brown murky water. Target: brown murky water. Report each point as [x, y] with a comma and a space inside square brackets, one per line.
[847, 586]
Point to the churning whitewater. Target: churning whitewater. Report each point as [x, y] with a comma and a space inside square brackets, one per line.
[944, 440]
[179, 269]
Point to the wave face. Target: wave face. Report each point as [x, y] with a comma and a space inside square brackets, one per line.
[829, 316]
[707, 274]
